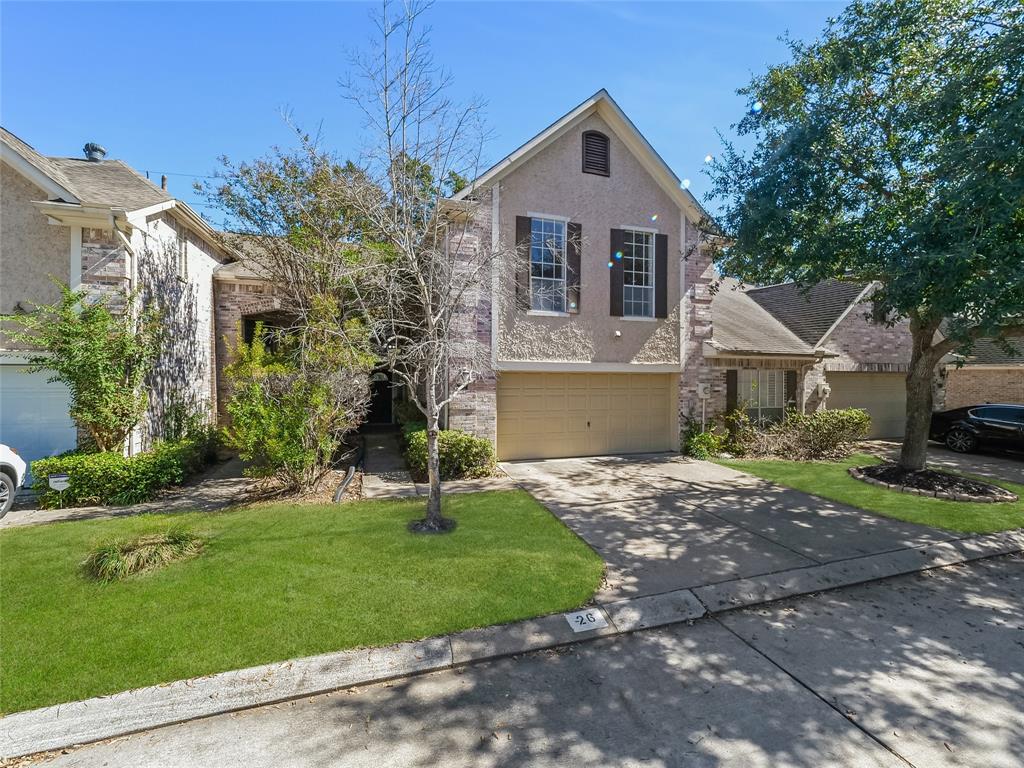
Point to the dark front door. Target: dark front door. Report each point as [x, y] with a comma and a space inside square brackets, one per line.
[380, 399]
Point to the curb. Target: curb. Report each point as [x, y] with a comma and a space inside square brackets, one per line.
[65, 725]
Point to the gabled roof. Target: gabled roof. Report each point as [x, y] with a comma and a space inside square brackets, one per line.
[110, 182]
[741, 326]
[76, 185]
[809, 313]
[989, 352]
[604, 105]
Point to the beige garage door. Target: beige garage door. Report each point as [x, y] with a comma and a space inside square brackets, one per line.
[882, 395]
[548, 415]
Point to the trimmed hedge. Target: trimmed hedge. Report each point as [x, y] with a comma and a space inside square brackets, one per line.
[112, 478]
[462, 455]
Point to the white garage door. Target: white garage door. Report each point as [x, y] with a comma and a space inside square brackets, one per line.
[882, 395]
[549, 415]
[34, 414]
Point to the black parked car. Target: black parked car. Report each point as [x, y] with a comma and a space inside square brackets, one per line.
[993, 425]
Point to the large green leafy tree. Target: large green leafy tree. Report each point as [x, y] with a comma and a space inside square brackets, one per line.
[892, 150]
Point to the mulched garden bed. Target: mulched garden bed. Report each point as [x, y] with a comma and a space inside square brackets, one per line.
[929, 482]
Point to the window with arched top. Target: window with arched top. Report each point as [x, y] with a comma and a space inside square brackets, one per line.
[595, 153]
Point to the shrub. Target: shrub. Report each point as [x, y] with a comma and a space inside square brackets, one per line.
[112, 478]
[704, 445]
[462, 455]
[828, 434]
[120, 559]
[291, 408]
[102, 352]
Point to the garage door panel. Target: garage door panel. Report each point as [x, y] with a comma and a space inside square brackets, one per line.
[34, 416]
[882, 395]
[547, 415]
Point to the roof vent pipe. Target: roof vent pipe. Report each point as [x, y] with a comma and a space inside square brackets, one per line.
[163, 182]
[94, 153]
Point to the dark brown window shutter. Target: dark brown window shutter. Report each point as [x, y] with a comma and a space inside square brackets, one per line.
[615, 273]
[573, 249]
[790, 389]
[596, 151]
[523, 228]
[661, 275]
[731, 387]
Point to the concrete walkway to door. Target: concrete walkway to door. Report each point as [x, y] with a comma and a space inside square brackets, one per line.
[664, 522]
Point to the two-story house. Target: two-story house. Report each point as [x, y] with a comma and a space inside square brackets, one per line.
[95, 223]
[619, 328]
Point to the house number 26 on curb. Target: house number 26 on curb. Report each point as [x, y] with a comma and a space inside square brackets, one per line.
[584, 621]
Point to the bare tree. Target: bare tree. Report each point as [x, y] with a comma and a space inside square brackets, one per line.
[431, 268]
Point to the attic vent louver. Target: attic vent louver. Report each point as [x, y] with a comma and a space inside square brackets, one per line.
[595, 153]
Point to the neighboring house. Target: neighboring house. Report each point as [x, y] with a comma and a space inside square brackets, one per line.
[97, 224]
[989, 374]
[620, 328]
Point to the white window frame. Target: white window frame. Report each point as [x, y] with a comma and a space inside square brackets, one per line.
[628, 229]
[564, 221]
[754, 400]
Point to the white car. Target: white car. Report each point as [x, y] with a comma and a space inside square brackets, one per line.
[12, 475]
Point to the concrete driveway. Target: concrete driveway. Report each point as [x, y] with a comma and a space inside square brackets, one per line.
[999, 466]
[664, 522]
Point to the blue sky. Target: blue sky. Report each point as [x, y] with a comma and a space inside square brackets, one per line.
[169, 87]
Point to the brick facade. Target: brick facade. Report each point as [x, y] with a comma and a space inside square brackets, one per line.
[976, 384]
[233, 301]
[475, 409]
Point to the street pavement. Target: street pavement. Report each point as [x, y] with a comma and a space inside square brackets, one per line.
[924, 670]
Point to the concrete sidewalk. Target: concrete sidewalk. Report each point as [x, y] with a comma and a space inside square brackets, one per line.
[219, 487]
[64, 725]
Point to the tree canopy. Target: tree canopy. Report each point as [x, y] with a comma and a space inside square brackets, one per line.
[891, 149]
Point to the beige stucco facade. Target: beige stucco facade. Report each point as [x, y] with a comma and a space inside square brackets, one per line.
[551, 183]
[31, 250]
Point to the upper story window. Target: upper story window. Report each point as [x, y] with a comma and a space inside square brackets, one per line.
[638, 274]
[595, 153]
[547, 265]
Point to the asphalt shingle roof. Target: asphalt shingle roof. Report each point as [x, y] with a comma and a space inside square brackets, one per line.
[742, 325]
[808, 314]
[988, 352]
[110, 183]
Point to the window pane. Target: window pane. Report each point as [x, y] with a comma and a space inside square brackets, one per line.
[547, 265]
[638, 274]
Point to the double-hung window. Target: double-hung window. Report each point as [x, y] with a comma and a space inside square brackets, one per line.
[547, 265]
[762, 392]
[638, 274]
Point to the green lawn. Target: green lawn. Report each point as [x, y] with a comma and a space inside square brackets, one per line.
[274, 582]
[830, 481]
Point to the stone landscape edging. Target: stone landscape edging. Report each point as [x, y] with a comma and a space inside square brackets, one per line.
[65, 725]
[1005, 495]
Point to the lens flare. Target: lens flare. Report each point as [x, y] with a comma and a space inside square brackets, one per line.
[756, 109]
[618, 254]
[686, 183]
[654, 217]
[708, 158]
[611, 264]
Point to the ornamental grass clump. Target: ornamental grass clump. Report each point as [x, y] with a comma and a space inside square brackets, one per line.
[120, 559]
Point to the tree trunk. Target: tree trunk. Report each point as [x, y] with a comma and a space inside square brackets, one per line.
[919, 400]
[433, 473]
[434, 522]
